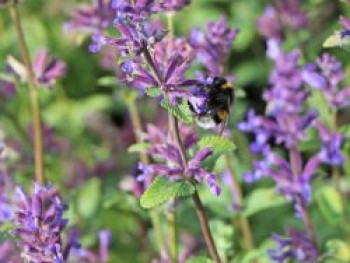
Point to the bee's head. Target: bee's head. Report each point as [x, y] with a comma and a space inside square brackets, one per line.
[221, 83]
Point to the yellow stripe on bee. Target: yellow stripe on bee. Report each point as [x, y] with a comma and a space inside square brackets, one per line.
[227, 85]
[223, 114]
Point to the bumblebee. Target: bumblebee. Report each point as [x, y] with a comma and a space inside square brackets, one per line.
[211, 103]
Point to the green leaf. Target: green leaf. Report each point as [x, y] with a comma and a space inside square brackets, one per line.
[218, 143]
[337, 250]
[139, 147]
[161, 190]
[262, 199]
[223, 235]
[199, 259]
[181, 111]
[319, 102]
[108, 81]
[88, 198]
[330, 204]
[154, 92]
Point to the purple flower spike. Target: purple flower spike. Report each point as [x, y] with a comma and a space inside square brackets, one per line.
[214, 45]
[331, 146]
[269, 25]
[326, 74]
[39, 224]
[92, 18]
[296, 246]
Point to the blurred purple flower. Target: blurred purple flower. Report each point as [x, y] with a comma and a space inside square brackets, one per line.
[345, 33]
[287, 92]
[7, 89]
[262, 167]
[331, 146]
[326, 75]
[92, 18]
[47, 70]
[6, 210]
[52, 142]
[295, 246]
[9, 254]
[291, 127]
[294, 182]
[214, 45]
[291, 14]
[285, 14]
[262, 127]
[39, 224]
[89, 256]
[170, 5]
[269, 25]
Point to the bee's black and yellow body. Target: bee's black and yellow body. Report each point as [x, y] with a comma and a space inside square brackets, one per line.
[220, 96]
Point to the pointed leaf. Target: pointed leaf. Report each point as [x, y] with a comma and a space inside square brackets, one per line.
[161, 190]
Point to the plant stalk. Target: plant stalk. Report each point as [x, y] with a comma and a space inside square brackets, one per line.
[137, 127]
[242, 221]
[34, 96]
[293, 155]
[205, 228]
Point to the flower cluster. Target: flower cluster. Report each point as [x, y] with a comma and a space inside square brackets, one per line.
[296, 246]
[326, 75]
[88, 256]
[213, 46]
[285, 14]
[46, 70]
[39, 222]
[92, 18]
[173, 166]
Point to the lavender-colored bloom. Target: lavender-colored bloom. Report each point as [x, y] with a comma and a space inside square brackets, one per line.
[326, 75]
[291, 127]
[47, 70]
[170, 5]
[345, 33]
[214, 45]
[173, 168]
[263, 129]
[89, 256]
[8, 253]
[285, 14]
[331, 146]
[92, 18]
[269, 25]
[295, 246]
[294, 182]
[105, 239]
[287, 93]
[262, 167]
[39, 224]
[291, 14]
[7, 89]
[6, 211]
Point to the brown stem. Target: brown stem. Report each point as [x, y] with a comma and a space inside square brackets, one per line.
[34, 96]
[205, 227]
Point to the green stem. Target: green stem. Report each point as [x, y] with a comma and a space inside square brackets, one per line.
[335, 170]
[34, 96]
[241, 221]
[173, 233]
[137, 127]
